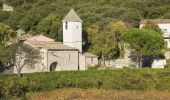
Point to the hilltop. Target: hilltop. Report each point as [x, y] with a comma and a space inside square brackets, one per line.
[45, 16]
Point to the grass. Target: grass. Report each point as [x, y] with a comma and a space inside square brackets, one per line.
[99, 94]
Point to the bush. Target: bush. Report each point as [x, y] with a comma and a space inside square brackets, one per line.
[118, 79]
[11, 86]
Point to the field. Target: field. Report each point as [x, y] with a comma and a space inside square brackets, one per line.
[112, 82]
[99, 94]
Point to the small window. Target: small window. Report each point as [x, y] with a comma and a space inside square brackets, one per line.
[69, 57]
[66, 26]
[77, 27]
[92, 60]
[164, 30]
[166, 43]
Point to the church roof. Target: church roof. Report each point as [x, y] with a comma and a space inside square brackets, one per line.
[72, 17]
[50, 45]
[157, 21]
[40, 38]
[86, 54]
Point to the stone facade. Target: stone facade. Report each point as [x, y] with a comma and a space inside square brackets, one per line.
[7, 7]
[66, 60]
[126, 61]
[66, 56]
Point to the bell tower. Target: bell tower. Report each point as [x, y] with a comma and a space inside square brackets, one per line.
[72, 30]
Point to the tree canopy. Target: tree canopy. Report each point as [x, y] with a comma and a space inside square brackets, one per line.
[144, 42]
[34, 15]
[6, 33]
[104, 40]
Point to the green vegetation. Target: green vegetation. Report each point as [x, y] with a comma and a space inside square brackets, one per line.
[119, 79]
[103, 17]
[109, 36]
[46, 16]
[152, 26]
[144, 42]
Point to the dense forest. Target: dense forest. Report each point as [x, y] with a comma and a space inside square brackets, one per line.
[45, 16]
[36, 15]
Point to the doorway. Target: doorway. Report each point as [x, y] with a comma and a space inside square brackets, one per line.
[53, 66]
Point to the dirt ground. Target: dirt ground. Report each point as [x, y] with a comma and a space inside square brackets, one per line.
[99, 94]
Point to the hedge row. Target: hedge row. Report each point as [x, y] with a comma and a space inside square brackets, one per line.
[120, 79]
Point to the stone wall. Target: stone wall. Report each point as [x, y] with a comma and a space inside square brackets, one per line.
[91, 61]
[82, 62]
[66, 60]
[167, 55]
[124, 62]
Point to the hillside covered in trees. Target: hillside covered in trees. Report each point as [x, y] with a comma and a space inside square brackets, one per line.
[99, 16]
[46, 15]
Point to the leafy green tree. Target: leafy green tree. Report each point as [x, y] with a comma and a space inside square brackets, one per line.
[23, 55]
[6, 37]
[4, 15]
[6, 33]
[144, 42]
[118, 26]
[152, 26]
[101, 43]
[49, 26]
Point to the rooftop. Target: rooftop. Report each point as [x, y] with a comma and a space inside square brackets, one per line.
[72, 17]
[86, 54]
[50, 45]
[40, 38]
[157, 21]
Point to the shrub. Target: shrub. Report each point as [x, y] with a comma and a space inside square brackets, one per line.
[117, 79]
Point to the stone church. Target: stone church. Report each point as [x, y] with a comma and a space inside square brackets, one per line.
[58, 56]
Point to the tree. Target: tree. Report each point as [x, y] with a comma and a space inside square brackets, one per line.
[48, 26]
[101, 43]
[152, 26]
[6, 33]
[23, 55]
[144, 42]
[117, 28]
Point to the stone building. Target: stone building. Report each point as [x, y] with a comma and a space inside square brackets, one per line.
[6, 7]
[58, 56]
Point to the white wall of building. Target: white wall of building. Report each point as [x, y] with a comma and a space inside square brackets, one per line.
[164, 27]
[158, 63]
[72, 34]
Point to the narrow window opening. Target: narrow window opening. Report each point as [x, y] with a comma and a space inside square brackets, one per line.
[164, 30]
[66, 26]
[92, 60]
[69, 57]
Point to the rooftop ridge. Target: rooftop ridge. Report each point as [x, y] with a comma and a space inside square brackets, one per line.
[72, 17]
